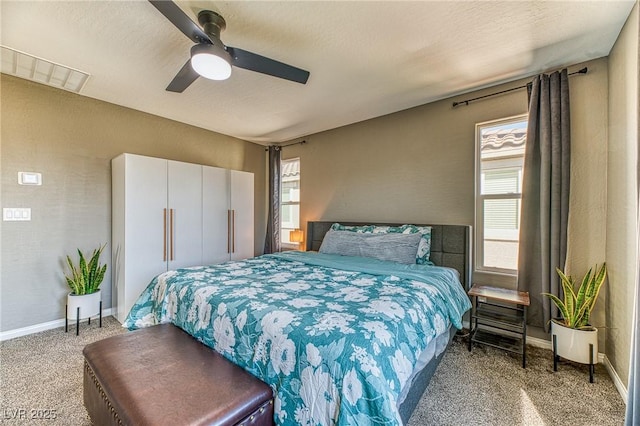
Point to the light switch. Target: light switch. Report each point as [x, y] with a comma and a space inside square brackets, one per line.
[15, 214]
[29, 178]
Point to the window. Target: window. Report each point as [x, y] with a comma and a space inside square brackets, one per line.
[499, 163]
[289, 199]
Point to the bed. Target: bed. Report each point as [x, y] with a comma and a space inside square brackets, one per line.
[340, 339]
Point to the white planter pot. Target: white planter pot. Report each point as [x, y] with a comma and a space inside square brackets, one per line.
[89, 305]
[573, 344]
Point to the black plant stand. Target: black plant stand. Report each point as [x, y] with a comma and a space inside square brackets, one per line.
[556, 358]
[66, 319]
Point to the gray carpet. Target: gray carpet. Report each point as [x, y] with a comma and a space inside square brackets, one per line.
[489, 387]
[43, 371]
[485, 387]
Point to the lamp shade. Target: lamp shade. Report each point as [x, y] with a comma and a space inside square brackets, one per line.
[296, 236]
[211, 61]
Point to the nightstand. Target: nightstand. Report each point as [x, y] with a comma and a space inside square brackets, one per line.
[499, 319]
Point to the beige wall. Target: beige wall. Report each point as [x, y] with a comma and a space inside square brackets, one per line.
[412, 166]
[71, 139]
[622, 189]
[418, 165]
[587, 204]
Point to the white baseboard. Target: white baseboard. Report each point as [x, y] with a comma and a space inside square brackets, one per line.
[36, 328]
[539, 343]
[622, 389]
[542, 343]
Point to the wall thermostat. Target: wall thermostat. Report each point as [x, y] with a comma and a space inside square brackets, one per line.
[29, 178]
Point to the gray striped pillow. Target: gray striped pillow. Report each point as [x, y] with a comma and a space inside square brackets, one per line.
[400, 248]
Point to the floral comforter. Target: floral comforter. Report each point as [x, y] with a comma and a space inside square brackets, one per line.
[336, 337]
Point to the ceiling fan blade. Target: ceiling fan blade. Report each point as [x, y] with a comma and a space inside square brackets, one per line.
[254, 62]
[173, 13]
[183, 79]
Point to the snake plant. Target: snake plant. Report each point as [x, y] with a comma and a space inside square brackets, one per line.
[577, 305]
[87, 276]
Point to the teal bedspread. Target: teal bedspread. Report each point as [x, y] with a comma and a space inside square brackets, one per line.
[336, 337]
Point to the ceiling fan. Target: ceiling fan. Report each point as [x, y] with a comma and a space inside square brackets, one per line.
[210, 58]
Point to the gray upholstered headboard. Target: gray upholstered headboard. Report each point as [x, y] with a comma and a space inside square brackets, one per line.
[450, 244]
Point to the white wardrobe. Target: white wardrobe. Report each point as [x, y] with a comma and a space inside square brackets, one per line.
[169, 214]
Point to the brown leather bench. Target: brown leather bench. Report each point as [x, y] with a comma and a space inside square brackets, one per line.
[162, 376]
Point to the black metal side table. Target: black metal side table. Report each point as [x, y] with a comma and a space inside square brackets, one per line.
[499, 319]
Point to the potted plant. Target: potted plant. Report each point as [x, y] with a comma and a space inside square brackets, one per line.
[84, 300]
[572, 335]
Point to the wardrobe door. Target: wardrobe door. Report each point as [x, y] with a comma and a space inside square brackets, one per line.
[242, 242]
[184, 214]
[216, 215]
[139, 199]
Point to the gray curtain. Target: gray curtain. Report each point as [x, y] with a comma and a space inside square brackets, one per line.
[272, 241]
[545, 194]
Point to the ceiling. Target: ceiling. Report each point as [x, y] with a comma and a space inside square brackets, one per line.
[366, 59]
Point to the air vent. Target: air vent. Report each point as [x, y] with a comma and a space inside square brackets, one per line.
[40, 70]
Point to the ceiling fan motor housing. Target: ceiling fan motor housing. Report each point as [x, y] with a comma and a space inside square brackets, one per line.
[212, 23]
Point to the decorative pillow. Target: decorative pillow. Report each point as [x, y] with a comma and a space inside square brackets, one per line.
[394, 247]
[359, 229]
[424, 249]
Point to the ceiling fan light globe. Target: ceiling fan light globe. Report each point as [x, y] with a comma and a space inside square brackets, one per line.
[209, 63]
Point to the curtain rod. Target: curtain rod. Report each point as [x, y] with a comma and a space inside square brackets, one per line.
[302, 142]
[466, 102]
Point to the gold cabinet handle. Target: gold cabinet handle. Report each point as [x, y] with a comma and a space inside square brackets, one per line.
[171, 233]
[233, 231]
[228, 231]
[164, 235]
